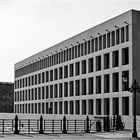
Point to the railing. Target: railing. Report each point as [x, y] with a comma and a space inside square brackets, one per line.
[41, 126]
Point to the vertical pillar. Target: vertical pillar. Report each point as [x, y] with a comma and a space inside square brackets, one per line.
[16, 125]
[64, 126]
[87, 125]
[41, 131]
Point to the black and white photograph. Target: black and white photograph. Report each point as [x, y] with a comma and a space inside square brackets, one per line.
[70, 69]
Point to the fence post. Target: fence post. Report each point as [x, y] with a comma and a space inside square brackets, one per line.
[87, 124]
[107, 124]
[41, 131]
[16, 125]
[64, 126]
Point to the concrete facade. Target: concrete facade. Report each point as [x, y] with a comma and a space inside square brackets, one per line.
[83, 75]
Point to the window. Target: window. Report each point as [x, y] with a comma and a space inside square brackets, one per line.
[79, 50]
[43, 80]
[72, 52]
[106, 106]
[77, 68]
[90, 106]
[55, 91]
[127, 33]
[125, 106]
[47, 108]
[77, 87]
[66, 89]
[65, 107]
[104, 41]
[106, 83]
[126, 86]
[96, 44]
[39, 93]
[125, 56]
[106, 61]
[43, 93]
[89, 50]
[90, 65]
[75, 51]
[55, 74]
[65, 71]
[90, 85]
[71, 88]
[47, 76]
[60, 73]
[122, 35]
[108, 39]
[113, 38]
[71, 107]
[47, 92]
[115, 106]
[77, 107]
[55, 107]
[60, 90]
[84, 107]
[82, 49]
[85, 50]
[98, 63]
[115, 82]
[69, 53]
[100, 43]
[51, 91]
[83, 87]
[92, 45]
[83, 66]
[98, 84]
[115, 58]
[98, 106]
[71, 70]
[117, 36]
[60, 107]
[51, 75]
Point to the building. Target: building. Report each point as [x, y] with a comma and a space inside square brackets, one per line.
[6, 97]
[83, 75]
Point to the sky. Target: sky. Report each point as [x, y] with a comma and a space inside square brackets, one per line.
[30, 26]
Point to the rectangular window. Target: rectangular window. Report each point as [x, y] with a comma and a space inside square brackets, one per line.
[39, 93]
[60, 90]
[127, 33]
[106, 83]
[71, 70]
[115, 106]
[92, 45]
[60, 73]
[51, 75]
[77, 87]
[84, 67]
[108, 39]
[106, 106]
[98, 84]
[65, 71]
[100, 43]
[55, 74]
[90, 65]
[89, 50]
[51, 91]
[90, 106]
[106, 61]
[98, 63]
[82, 49]
[117, 36]
[125, 85]
[96, 44]
[83, 87]
[113, 38]
[71, 108]
[47, 76]
[98, 106]
[60, 107]
[125, 106]
[69, 53]
[77, 107]
[104, 41]
[115, 82]
[79, 50]
[47, 92]
[90, 85]
[84, 107]
[43, 93]
[122, 35]
[115, 58]
[55, 107]
[71, 90]
[66, 89]
[43, 77]
[47, 108]
[65, 107]
[77, 68]
[51, 108]
[125, 56]
[72, 52]
[85, 45]
[75, 51]
[55, 91]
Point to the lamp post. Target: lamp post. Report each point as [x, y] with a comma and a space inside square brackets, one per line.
[134, 89]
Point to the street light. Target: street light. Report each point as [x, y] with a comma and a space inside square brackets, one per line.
[134, 89]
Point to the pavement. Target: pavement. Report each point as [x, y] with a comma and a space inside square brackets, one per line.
[119, 135]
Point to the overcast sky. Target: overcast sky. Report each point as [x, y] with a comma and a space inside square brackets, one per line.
[30, 26]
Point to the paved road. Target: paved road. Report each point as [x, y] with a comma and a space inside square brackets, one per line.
[122, 135]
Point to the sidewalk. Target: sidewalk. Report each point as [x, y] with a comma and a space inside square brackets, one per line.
[120, 135]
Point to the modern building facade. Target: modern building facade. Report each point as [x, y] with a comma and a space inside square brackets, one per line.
[83, 75]
[6, 97]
